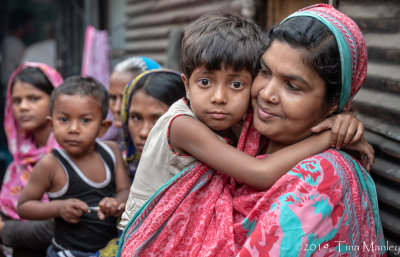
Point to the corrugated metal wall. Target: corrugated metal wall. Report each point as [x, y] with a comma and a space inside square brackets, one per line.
[150, 22]
[378, 104]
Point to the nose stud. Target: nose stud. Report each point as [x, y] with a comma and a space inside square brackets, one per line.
[273, 99]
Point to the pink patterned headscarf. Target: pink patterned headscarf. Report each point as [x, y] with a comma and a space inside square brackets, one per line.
[351, 44]
[22, 147]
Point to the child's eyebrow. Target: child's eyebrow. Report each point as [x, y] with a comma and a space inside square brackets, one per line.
[238, 75]
[66, 113]
[205, 71]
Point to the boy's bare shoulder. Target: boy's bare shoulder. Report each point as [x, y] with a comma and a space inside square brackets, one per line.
[47, 162]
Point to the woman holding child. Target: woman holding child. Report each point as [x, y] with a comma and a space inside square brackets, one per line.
[314, 64]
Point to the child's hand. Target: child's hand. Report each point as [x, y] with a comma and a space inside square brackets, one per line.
[72, 209]
[366, 151]
[345, 129]
[110, 207]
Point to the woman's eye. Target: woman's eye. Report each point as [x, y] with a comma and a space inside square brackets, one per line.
[237, 85]
[155, 119]
[113, 98]
[85, 120]
[63, 119]
[265, 72]
[135, 118]
[34, 99]
[293, 87]
[16, 101]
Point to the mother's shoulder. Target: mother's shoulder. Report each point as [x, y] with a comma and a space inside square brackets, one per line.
[331, 163]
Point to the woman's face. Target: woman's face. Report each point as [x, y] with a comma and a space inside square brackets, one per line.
[144, 111]
[287, 96]
[118, 81]
[30, 106]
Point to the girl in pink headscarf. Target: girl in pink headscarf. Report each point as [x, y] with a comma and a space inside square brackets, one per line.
[326, 205]
[29, 138]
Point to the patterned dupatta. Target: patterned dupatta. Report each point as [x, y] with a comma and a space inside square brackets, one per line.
[326, 205]
[22, 147]
[351, 45]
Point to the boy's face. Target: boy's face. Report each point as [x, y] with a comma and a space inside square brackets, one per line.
[77, 121]
[219, 98]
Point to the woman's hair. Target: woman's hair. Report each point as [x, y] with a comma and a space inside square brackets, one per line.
[322, 53]
[217, 39]
[84, 86]
[35, 77]
[136, 65]
[133, 65]
[165, 86]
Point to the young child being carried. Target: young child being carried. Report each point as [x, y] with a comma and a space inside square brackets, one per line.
[220, 57]
[86, 181]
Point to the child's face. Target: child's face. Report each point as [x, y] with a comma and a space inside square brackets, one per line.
[76, 121]
[144, 111]
[30, 106]
[219, 98]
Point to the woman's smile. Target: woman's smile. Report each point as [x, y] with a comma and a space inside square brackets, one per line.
[265, 113]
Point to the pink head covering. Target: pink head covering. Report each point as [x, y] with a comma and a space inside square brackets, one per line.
[352, 48]
[21, 146]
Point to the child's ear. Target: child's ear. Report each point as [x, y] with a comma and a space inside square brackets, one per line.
[186, 82]
[104, 126]
[49, 121]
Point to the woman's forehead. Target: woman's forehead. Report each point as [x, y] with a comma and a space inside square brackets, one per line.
[288, 62]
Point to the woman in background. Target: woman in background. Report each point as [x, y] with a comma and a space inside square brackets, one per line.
[29, 138]
[145, 99]
[123, 73]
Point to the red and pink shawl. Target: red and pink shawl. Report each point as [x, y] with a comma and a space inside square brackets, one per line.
[325, 206]
[22, 147]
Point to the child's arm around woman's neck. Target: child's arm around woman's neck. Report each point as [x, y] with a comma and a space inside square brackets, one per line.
[191, 136]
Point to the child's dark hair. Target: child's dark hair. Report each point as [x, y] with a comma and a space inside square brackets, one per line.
[322, 51]
[165, 86]
[217, 39]
[84, 86]
[35, 77]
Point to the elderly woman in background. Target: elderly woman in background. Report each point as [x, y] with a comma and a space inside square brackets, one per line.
[123, 73]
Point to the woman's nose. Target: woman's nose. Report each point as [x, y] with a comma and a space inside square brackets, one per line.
[219, 95]
[269, 92]
[116, 105]
[24, 105]
[145, 130]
